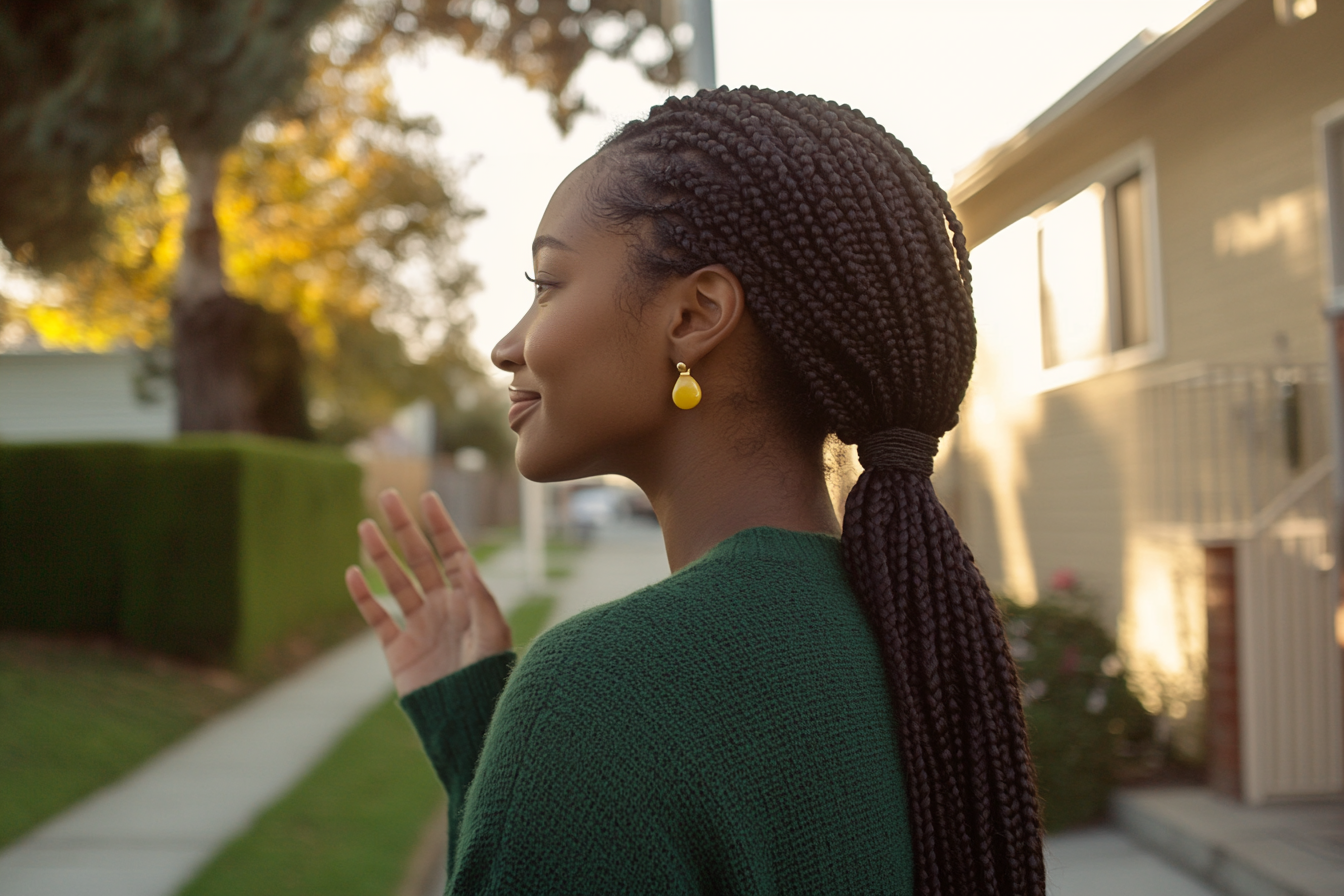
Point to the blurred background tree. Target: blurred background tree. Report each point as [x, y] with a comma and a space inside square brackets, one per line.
[166, 158]
[334, 214]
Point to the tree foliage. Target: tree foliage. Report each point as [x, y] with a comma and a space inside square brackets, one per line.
[84, 78]
[543, 41]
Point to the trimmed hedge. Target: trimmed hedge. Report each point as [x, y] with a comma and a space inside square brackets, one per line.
[210, 547]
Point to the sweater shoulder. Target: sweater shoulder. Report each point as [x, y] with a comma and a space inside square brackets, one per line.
[753, 578]
[764, 598]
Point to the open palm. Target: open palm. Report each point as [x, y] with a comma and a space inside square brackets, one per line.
[452, 620]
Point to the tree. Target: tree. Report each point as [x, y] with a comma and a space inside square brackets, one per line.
[335, 215]
[87, 80]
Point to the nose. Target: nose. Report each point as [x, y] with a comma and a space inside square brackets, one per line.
[507, 354]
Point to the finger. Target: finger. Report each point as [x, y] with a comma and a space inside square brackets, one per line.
[400, 584]
[441, 527]
[419, 555]
[378, 619]
[462, 573]
[466, 581]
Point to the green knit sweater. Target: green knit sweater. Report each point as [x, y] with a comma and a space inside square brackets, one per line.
[726, 730]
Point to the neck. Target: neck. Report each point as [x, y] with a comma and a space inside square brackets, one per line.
[706, 494]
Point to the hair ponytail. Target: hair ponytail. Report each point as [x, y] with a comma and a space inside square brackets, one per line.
[973, 810]
[856, 269]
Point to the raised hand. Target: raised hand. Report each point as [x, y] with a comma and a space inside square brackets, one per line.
[451, 618]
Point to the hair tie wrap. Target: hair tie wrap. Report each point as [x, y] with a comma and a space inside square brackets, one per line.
[899, 449]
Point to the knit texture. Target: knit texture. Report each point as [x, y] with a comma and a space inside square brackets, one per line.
[726, 730]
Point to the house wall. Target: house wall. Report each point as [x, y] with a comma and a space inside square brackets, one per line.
[62, 397]
[1048, 478]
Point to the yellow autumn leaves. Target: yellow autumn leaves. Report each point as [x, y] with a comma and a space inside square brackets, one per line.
[321, 210]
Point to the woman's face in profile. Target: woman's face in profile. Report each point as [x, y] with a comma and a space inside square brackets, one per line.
[591, 374]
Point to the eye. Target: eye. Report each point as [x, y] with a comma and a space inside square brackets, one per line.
[540, 286]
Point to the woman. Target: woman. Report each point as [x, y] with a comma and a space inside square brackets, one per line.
[790, 711]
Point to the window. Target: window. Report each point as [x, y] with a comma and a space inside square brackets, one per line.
[1096, 274]
[1071, 244]
[1131, 262]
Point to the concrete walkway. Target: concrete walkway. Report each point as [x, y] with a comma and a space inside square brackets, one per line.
[620, 559]
[1104, 862]
[149, 833]
[1288, 849]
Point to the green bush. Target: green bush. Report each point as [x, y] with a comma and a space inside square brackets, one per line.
[208, 547]
[54, 575]
[1083, 723]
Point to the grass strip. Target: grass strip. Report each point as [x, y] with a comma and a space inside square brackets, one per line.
[78, 714]
[349, 827]
[529, 619]
[352, 825]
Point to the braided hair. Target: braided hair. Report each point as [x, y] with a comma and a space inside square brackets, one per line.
[856, 270]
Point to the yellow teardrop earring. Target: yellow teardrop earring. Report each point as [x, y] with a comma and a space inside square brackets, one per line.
[686, 393]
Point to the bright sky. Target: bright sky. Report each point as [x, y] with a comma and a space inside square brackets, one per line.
[951, 78]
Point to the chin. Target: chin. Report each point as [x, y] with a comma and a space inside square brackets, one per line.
[546, 466]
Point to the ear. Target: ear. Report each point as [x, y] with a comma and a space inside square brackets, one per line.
[706, 308]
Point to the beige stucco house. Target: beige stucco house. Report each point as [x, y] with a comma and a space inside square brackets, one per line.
[1158, 260]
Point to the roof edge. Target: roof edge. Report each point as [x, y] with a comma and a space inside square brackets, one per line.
[1143, 53]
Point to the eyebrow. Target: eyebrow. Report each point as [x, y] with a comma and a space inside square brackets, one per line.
[544, 241]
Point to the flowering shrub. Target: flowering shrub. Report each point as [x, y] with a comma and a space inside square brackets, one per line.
[1084, 725]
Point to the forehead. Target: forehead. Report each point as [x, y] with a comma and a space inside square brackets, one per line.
[567, 216]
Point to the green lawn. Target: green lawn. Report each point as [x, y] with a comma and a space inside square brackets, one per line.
[351, 826]
[75, 715]
[529, 619]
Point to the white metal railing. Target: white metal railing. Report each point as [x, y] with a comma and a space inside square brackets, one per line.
[1223, 441]
[1241, 454]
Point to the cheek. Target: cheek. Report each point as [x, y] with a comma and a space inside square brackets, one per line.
[592, 366]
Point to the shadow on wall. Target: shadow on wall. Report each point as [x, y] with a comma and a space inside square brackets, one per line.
[1064, 494]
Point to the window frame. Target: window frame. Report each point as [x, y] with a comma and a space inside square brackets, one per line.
[1137, 159]
[1330, 162]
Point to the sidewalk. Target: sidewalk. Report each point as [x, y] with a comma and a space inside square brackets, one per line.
[621, 559]
[1104, 862]
[1289, 849]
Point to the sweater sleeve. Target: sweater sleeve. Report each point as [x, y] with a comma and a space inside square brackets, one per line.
[451, 716]
[574, 791]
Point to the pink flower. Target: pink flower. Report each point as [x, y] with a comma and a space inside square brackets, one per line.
[1064, 579]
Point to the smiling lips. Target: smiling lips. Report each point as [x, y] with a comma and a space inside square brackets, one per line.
[522, 402]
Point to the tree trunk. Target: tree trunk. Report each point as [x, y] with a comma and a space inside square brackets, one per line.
[199, 274]
[237, 366]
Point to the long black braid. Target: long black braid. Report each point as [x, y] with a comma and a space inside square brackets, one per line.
[856, 269]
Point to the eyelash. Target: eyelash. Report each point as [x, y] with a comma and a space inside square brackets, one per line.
[539, 286]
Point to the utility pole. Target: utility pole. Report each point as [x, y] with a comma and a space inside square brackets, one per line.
[699, 58]
[534, 535]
